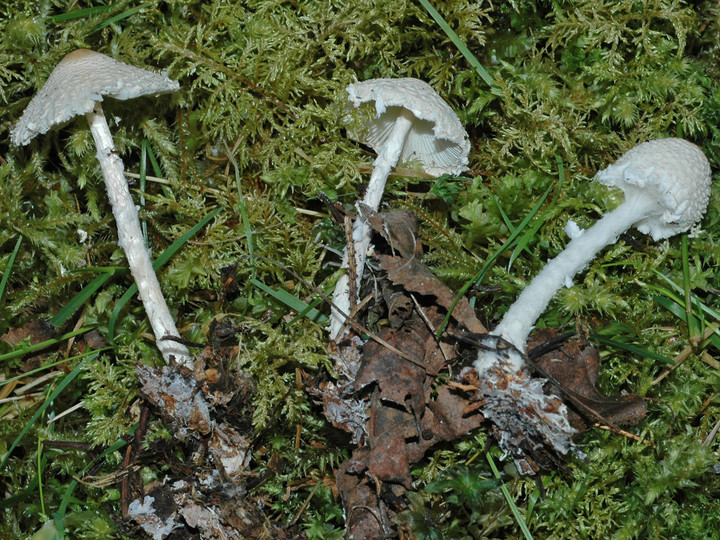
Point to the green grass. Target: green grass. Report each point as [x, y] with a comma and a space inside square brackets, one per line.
[549, 92]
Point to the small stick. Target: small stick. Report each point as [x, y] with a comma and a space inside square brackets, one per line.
[624, 433]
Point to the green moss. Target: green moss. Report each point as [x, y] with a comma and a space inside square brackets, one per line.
[111, 392]
[577, 83]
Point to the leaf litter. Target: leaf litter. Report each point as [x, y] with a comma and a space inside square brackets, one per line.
[397, 396]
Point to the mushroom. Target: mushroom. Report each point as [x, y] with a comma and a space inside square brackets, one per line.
[76, 86]
[412, 122]
[667, 186]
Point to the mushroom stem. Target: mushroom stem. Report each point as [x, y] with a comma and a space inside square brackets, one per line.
[130, 238]
[522, 315]
[387, 159]
[383, 164]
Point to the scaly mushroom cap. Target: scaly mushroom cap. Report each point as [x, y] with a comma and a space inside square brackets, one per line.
[676, 171]
[80, 80]
[437, 138]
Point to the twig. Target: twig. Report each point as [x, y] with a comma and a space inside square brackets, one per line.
[20, 398]
[684, 355]
[305, 504]
[712, 434]
[36, 382]
[623, 433]
[66, 412]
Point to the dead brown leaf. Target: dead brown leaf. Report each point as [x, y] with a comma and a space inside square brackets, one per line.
[405, 420]
[392, 390]
[573, 369]
[399, 228]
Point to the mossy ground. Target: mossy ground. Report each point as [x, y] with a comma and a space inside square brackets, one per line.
[258, 131]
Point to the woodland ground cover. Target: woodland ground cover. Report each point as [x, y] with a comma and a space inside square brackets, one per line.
[234, 166]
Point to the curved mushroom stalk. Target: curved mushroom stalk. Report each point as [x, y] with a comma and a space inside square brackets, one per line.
[132, 241]
[383, 164]
[667, 187]
[520, 318]
[387, 159]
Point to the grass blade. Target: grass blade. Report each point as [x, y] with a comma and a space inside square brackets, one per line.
[8, 268]
[79, 13]
[143, 182]
[294, 303]
[70, 377]
[43, 344]
[81, 298]
[631, 348]
[511, 502]
[692, 323]
[477, 278]
[706, 309]
[243, 213]
[120, 16]
[532, 231]
[157, 170]
[32, 372]
[458, 42]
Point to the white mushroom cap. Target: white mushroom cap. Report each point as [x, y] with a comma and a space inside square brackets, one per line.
[80, 80]
[678, 173]
[437, 138]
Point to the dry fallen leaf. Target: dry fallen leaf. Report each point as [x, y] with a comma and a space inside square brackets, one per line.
[573, 370]
[396, 398]
[399, 228]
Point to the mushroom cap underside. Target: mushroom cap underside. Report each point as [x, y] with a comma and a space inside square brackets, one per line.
[675, 172]
[80, 80]
[437, 138]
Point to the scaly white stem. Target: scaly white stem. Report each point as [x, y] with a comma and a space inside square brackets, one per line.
[385, 161]
[130, 239]
[549, 423]
[522, 315]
